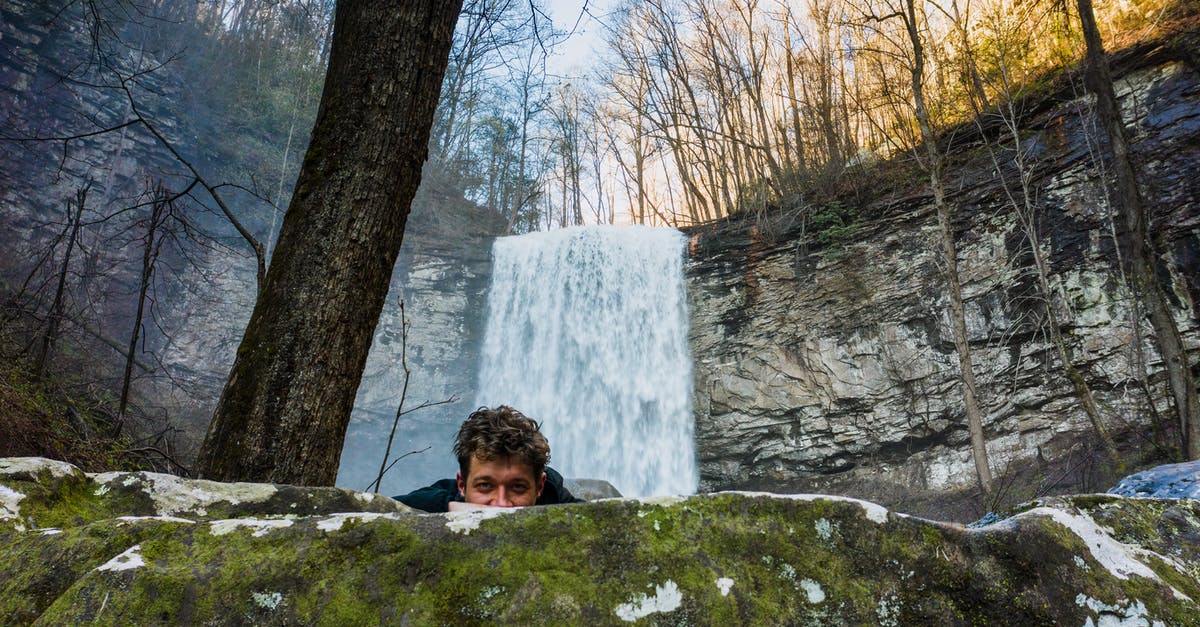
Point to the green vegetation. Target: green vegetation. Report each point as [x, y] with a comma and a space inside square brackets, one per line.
[60, 417]
[834, 224]
[722, 558]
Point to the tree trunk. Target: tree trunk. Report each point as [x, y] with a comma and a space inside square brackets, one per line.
[961, 343]
[55, 316]
[949, 256]
[1135, 241]
[149, 258]
[283, 414]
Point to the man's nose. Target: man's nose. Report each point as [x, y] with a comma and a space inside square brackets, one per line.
[502, 499]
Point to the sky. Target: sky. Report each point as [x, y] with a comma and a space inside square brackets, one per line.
[574, 56]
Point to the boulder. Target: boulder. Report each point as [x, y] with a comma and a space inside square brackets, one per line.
[138, 548]
[1169, 481]
[591, 489]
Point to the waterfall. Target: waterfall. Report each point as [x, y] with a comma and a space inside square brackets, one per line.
[587, 333]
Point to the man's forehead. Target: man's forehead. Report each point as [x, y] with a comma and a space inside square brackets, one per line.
[506, 465]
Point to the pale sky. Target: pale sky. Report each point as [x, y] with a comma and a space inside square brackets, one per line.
[574, 55]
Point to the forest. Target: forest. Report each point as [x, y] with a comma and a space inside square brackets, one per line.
[172, 134]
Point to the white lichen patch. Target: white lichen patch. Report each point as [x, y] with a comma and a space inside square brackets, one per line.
[724, 585]
[824, 529]
[335, 521]
[875, 512]
[35, 465]
[261, 526]
[1079, 562]
[1114, 556]
[175, 495]
[51, 531]
[10, 503]
[812, 590]
[661, 501]
[126, 560]
[888, 611]
[136, 519]
[1132, 615]
[788, 572]
[466, 521]
[487, 593]
[667, 598]
[365, 497]
[267, 600]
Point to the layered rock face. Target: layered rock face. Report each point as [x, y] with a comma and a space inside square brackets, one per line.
[837, 362]
[142, 548]
[442, 277]
[813, 362]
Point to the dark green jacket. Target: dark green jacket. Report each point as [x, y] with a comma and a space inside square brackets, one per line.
[437, 497]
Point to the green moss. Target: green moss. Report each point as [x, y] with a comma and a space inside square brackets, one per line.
[73, 503]
[1094, 501]
[578, 564]
[38, 568]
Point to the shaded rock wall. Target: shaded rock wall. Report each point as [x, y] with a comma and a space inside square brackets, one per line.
[442, 277]
[138, 548]
[202, 305]
[837, 363]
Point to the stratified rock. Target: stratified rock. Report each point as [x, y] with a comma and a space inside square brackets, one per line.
[730, 558]
[832, 363]
[1169, 481]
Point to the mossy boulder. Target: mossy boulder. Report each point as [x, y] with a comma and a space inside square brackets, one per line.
[74, 552]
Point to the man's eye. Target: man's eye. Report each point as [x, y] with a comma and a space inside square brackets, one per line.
[483, 486]
[520, 487]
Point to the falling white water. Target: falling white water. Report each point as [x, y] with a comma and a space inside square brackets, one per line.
[587, 333]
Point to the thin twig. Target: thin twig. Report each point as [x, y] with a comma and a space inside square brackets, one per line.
[384, 466]
[187, 472]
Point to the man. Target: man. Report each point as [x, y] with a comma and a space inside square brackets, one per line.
[502, 458]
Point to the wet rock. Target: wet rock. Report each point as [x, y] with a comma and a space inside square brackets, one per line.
[1169, 481]
[591, 489]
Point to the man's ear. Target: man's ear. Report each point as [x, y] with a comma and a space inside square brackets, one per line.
[541, 484]
[462, 491]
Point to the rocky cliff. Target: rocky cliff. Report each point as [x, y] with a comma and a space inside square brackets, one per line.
[50, 87]
[825, 361]
[142, 548]
[819, 361]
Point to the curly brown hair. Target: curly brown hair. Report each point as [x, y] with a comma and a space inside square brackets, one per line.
[501, 433]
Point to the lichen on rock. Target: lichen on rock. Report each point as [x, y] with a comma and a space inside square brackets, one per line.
[724, 558]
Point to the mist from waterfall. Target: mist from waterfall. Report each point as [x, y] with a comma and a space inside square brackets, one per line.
[587, 332]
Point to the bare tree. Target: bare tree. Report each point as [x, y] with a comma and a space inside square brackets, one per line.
[387, 462]
[1136, 244]
[55, 316]
[159, 206]
[1009, 37]
[912, 53]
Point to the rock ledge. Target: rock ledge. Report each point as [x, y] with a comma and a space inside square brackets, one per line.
[137, 548]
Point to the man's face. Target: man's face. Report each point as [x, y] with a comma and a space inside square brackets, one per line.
[501, 482]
